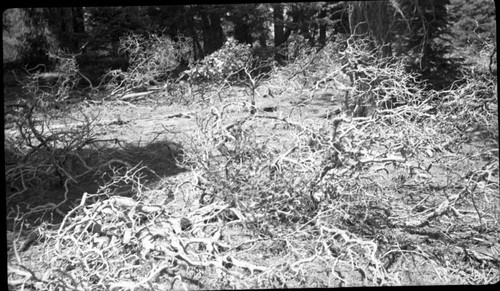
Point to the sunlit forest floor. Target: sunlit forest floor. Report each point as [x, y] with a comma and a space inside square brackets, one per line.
[167, 220]
[169, 188]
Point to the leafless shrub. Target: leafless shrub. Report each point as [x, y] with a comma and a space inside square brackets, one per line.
[286, 174]
[52, 89]
[349, 194]
[81, 254]
[48, 145]
[352, 71]
[50, 149]
[153, 61]
[473, 106]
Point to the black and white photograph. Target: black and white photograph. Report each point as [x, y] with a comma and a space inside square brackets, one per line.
[251, 145]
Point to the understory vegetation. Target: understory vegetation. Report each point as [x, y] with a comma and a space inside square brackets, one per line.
[340, 168]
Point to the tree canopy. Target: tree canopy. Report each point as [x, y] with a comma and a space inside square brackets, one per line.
[422, 32]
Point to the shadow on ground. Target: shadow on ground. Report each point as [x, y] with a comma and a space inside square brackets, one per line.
[47, 200]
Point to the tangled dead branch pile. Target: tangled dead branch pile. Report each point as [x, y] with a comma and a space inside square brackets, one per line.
[356, 198]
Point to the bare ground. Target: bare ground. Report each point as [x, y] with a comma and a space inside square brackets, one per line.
[351, 239]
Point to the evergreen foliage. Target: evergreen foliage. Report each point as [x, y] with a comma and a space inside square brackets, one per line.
[429, 23]
[432, 36]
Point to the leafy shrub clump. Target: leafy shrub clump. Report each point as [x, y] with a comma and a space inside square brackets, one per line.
[223, 63]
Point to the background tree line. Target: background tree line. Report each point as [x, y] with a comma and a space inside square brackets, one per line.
[427, 34]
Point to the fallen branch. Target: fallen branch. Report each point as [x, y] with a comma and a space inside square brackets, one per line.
[135, 95]
[443, 208]
[383, 160]
[181, 114]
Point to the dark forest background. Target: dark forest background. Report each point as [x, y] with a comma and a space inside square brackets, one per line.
[435, 38]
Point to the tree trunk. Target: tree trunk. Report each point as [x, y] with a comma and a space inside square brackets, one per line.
[197, 49]
[213, 36]
[78, 28]
[279, 34]
[242, 32]
[372, 18]
[322, 28]
[263, 40]
[369, 19]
